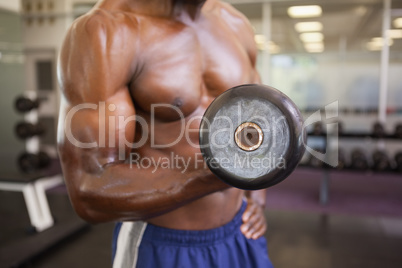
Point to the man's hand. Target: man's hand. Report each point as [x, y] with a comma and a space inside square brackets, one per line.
[254, 223]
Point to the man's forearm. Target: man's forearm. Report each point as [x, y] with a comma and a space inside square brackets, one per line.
[124, 192]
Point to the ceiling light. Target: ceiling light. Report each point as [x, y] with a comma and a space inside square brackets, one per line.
[311, 37]
[360, 10]
[263, 44]
[274, 48]
[260, 38]
[318, 45]
[315, 50]
[304, 11]
[398, 23]
[314, 47]
[373, 46]
[379, 41]
[395, 33]
[312, 26]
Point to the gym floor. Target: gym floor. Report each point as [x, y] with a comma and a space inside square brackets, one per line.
[296, 239]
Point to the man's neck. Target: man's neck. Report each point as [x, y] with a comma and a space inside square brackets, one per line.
[191, 8]
[159, 8]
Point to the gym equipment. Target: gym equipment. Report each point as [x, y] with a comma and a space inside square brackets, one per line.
[398, 131]
[340, 128]
[25, 130]
[341, 160]
[314, 161]
[251, 136]
[380, 160]
[29, 162]
[358, 111]
[398, 161]
[378, 130]
[317, 129]
[359, 160]
[24, 104]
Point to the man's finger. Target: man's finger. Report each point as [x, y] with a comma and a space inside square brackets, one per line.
[251, 209]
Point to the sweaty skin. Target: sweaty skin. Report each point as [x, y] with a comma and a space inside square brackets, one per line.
[116, 62]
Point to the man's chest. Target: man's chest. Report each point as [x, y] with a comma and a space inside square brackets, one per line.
[182, 64]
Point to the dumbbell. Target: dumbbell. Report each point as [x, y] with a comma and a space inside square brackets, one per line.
[25, 130]
[29, 162]
[251, 136]
[358, 160]
[340, 128]
[398, 131]
[341, 160]
[380, 160]
[314, 161]
[24, 104]
[378, 130]
[318, 128]
[398, 161]
[318, 163]
[345, 110]
[358, 110]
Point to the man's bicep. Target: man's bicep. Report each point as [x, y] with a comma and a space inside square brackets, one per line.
[98, 133]
[94, 71]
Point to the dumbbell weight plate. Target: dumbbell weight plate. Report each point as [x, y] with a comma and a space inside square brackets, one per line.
[44, 160]
[378, 130]
[380, 161]
[29, 162]
[359, 160]
[251, 136]
[398, 161]
[318, 128]
[25, 130]
[24, 104]
[341, 160]
[398, 131]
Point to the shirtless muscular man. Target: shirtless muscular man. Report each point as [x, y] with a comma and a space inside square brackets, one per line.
[161, 61]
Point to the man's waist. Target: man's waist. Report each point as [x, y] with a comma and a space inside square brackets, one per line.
[160, 234]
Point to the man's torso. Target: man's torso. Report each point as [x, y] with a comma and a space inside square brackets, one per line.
[182, 65]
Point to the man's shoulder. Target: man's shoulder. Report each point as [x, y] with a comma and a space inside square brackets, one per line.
[239, 24]
[230, 11]
[233, 17]
[104, 21]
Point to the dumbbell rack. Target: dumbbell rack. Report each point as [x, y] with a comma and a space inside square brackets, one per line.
[33, 184]
[32, 144]
[327, 170]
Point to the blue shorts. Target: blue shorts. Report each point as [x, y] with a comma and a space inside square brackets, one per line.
[140, 244]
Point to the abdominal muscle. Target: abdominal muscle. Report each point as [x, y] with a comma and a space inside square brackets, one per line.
[208, 212]
[211, 211]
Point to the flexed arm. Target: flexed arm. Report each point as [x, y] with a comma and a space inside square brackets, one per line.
[98, 60]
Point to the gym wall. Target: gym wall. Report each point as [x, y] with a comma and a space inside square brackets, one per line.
[11, 81]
